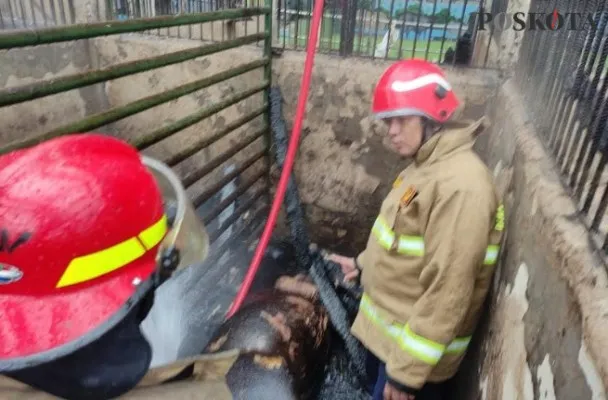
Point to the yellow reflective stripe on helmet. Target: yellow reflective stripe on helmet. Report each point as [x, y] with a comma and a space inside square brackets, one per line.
[154, 234]
[424, 349]
[414, 245]
[84, 268]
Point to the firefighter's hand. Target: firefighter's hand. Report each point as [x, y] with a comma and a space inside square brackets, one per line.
[392, 393]
[349, 269]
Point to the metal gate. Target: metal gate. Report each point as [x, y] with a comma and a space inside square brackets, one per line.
[242, 157]
[562, 75]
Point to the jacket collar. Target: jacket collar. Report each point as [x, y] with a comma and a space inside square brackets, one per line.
[455, 136]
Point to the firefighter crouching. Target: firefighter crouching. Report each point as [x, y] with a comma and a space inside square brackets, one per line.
[430, 256]
[89, 229]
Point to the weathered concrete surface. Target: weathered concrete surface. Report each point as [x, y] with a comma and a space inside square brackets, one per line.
[22, 66]
[114, 50]
[545, 336]
[500, 48]
[344, 170]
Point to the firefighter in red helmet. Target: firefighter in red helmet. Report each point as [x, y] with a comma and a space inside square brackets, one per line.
[430, 256]
[88, 229]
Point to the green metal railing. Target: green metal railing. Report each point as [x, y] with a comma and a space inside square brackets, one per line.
[30, 92]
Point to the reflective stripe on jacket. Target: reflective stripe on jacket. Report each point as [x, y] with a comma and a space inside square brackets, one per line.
[429, 260]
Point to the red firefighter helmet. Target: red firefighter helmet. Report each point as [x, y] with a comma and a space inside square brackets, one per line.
[414, 87]
[82, 230]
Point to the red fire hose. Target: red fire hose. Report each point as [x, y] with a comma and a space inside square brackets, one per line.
[289, 160]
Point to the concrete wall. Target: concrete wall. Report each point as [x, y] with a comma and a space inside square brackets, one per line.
[114, 50]
[24, 66]
[544, 336]
[494, 49]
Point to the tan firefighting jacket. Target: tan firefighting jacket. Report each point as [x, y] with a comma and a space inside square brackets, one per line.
[429, 260]
[207, 382]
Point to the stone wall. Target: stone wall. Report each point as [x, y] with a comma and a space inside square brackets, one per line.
[23, 66]
[118, 92]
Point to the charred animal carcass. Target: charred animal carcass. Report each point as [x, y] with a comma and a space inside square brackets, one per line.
[284, 333]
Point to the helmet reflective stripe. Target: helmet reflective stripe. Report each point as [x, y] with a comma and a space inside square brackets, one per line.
[93, 265]
[406, 86]
[402, 112]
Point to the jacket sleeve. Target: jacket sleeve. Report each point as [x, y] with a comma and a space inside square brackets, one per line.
[455, 239]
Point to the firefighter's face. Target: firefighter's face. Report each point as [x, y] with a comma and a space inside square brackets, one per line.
[405, 134]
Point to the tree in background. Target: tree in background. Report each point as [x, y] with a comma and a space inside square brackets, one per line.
[442, 17]
[412, 9]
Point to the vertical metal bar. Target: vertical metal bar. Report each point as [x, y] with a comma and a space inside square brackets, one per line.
[583, 82]
[404, 29]
[590, 145]
[110, 9]
[445, 29]
[587, 98]
[390, 29]
[368, 24]
[64, 19]
[331, 29]
[190, 25]
[268, 78]
[474, 32]
[417, 27]
[583, 44]
[43, 8]
[485, 60]
[257, 20]
[202, 26]
[464, 9]
[284, 24]
[601, 208]
[297, 33]
[605, 245]
[12, 12]
[180, 11]
[72, 11]
[362, 13]
[428, 44]
[311, 8]
[23, 16]
[34, 20]
[376, 32]
[1, 20]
